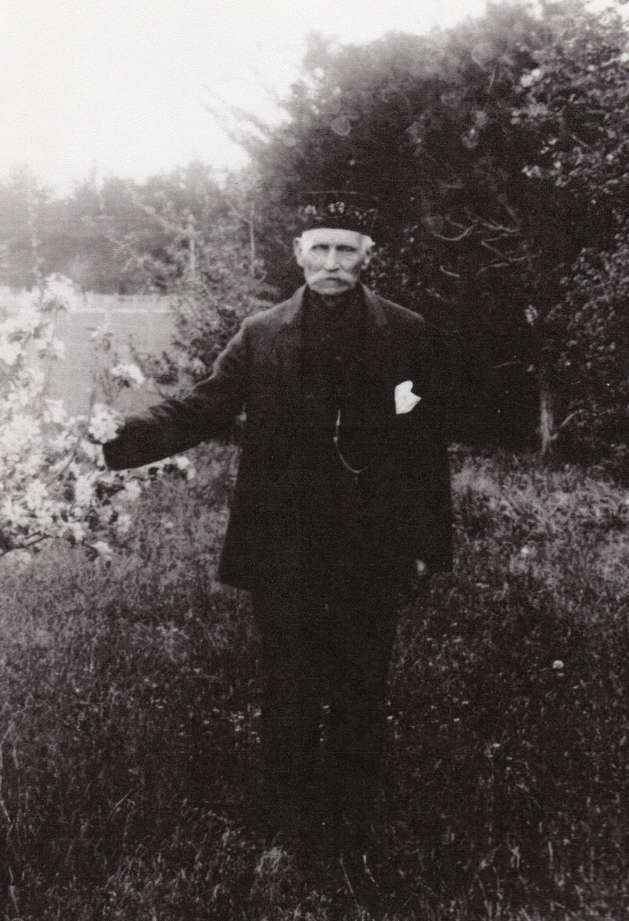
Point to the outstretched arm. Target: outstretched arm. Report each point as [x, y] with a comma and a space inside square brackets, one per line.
[175, 425]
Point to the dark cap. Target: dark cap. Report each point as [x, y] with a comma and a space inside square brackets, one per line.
[337, 209]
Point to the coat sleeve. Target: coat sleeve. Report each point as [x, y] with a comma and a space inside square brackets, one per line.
[178, 424]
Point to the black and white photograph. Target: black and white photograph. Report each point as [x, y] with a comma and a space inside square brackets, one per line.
[314, 460]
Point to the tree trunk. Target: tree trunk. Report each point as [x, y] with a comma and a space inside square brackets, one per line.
[546, 414]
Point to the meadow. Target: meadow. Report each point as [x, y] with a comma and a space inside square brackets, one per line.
[136, 322]
[129, 707]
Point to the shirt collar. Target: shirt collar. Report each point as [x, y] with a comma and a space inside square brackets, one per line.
[342, 306]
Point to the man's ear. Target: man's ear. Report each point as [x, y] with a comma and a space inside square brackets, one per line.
[298, 251]
[367, 246]
[367, 254]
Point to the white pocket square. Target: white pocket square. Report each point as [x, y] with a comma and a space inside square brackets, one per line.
[405, 399]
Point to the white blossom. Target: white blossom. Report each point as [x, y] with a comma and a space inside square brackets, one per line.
[76, 531]
[129, 375]
[83, 491]
[54, 482]
[52, 348]
[36, 495]
[105, 423]
[59, 291]
[54, 412]
[92, 452]
[9, 352]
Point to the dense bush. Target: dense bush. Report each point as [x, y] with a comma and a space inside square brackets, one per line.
[129, 708]
[498, 152]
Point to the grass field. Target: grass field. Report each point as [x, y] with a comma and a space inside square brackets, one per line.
[129, 706]
[143, 322]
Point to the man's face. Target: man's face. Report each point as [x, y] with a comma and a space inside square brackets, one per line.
[332, 259]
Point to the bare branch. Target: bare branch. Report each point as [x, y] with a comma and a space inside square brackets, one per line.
[445, 271]
[250, 222]
[493, 265]
[565, 422]
[457, 239]
[493, 249]
[580, 141]
[462, 226]
[499, 228]
[236, 211]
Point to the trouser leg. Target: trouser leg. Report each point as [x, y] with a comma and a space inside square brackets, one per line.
[365, 633]
[293, 682]
[334, 648]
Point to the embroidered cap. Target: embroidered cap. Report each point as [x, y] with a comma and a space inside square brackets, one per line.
[338, 209]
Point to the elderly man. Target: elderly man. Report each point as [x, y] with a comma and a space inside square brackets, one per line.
[342, 499]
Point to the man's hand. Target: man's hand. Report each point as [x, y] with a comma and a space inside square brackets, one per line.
[105, 424]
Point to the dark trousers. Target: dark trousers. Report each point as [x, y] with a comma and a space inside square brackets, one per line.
[325, 651]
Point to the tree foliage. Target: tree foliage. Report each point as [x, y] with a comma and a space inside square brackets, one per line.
[189, 234]
[483, 146]
[498, 152]
[197, 243]
[577, 106]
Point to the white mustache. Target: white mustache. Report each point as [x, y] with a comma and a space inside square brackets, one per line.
[331, 275]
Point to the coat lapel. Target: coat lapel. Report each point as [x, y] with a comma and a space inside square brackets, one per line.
[378, 369]
[287, 354]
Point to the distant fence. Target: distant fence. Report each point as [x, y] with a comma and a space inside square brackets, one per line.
[144, 321]
[13, 299]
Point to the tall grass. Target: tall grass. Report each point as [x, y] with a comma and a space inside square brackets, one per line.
[129, 707]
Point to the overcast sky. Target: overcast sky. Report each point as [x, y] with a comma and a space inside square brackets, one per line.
[120, 86]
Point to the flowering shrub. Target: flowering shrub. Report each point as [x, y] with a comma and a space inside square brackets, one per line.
[53, 479]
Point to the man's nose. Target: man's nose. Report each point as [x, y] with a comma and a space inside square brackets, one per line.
[331, 260]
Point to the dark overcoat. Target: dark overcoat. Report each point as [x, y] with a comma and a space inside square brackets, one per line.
[405, 486]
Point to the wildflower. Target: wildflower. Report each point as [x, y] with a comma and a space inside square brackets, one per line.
[103, 550]
[184, 464]
[131, 491]
[124, 523]
[533, 76]
[558, 665]
[532, 172]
